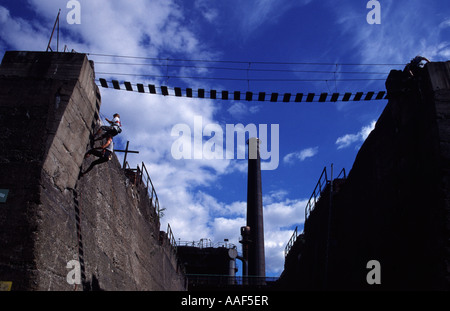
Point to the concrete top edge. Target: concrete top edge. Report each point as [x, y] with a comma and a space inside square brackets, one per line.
[27, 56]
[56, 65]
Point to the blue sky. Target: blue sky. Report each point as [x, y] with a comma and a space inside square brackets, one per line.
[207, 198]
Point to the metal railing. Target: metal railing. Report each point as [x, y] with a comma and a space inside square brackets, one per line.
[317, 192]
[344, 175]
[315, 196]
[226, 280]
[206, 243]
[144, 179]
[171, 238]
[291, 242]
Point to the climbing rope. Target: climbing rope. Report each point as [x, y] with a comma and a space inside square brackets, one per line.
[76, 198]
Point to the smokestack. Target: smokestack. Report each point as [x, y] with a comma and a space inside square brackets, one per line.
[256, 257]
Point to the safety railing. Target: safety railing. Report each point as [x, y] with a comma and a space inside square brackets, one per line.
[315, 196]
[171, 238]
[342, 174]
[317, 192]
[291, 242]
[206, 243]
[146, 180]
[140, 176]
[168, 242]
[227, 280]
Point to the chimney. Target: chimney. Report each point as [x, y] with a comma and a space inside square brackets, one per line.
[256, 257]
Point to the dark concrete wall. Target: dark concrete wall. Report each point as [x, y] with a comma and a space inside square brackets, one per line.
[122, 245]
[48, 107]
[394, 207]
[30, 85]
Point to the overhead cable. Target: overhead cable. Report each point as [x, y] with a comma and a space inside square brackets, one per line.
[241, 69]
[243, 62]
[239, 79]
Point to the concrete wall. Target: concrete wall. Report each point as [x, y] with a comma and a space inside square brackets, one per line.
[121, 241]
[49, 105]
[394, 207]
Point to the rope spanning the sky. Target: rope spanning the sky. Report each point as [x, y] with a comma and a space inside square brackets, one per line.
[241, 71]
[247, 96]
[274, 70]
[245, 62]
[239, 79]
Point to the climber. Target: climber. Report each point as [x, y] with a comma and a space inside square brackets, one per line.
[104, 153]
[415, 64]
[112, 130]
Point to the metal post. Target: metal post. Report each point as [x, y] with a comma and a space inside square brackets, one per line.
[126, 152]
[53, 31]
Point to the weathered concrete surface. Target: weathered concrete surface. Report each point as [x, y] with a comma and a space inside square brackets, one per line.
[394, 207]
[33, 98]
[49, 105]
[120, 234]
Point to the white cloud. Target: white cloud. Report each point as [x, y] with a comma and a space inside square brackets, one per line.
[301, 155]
[274, 196]
[218, 221]
[22, 34]
[284, 213]
[227, 228]
[256, 13]
[238, 166]
[445, 23]
[280, 217]
[366, 130]
[349, 139]
[274, 245]
[239, 109]
[399, 37]
[206, 10]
